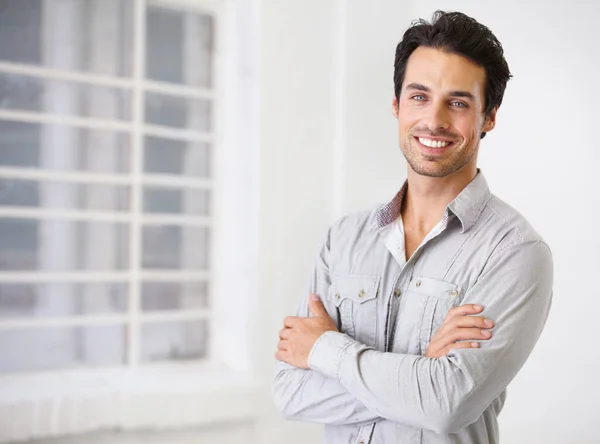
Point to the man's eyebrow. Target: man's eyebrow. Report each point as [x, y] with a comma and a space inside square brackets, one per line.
[419, 87]
[465, 94]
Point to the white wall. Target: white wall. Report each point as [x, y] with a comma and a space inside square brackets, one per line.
[296, 170]
[374, 166]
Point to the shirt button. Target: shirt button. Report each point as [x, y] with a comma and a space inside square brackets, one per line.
[337, 296]
[454, 293]
[418, 283]
[361, 442]
[397, 292]
[361, 294]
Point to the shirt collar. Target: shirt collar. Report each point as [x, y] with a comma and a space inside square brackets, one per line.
[467, 206]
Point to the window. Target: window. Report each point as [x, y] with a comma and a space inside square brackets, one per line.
[107, 183]
[128, 214]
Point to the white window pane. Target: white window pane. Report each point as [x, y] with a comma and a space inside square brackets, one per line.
[174, 341]
[64, 195]
[62, 245]
[175, 246]
[82, 35]
[174, 295]
[46, 300]
[168, 156]
[179, 47]
[62, 347]
[175, 200]
[178, 112]
[82, 149]
[27, 93]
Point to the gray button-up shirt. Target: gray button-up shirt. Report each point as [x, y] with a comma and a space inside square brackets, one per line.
[370, 383]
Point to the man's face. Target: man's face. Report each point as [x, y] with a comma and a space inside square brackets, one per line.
[440, 112]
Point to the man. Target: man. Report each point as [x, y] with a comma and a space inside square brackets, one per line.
[393, 352]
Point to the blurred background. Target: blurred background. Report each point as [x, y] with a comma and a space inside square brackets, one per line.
[168, 169]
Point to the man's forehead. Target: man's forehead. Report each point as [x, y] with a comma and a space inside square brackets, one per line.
[441, 70]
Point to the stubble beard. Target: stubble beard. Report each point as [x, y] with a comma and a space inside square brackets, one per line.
[443, 167]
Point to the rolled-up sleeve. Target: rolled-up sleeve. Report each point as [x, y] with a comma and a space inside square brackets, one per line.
[449, 393]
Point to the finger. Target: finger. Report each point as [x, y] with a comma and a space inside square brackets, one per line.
[458, 346]
[465, 322]
[280, 355]
[316, 306]
[462, 310]
[282, 345]
[448, 337]
[290, 321]
[472, 321]
[285, 333]
[465, 334]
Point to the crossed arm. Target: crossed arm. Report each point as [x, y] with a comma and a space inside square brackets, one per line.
[330, 402]
[325, 376]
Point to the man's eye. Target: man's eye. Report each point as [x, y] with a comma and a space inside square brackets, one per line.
[419, 97]
[459, 104]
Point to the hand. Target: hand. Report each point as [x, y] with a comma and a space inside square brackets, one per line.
[458, 326]
[300, 334]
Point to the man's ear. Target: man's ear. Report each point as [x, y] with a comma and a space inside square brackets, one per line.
[490, 121]
[395, 107]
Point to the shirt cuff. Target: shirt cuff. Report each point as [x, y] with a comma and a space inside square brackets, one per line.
[326, 352]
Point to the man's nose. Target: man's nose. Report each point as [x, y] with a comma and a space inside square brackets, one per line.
[438, 117]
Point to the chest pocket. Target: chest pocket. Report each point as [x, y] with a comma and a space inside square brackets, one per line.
[422, 312]
[356, 300]
[440, 297]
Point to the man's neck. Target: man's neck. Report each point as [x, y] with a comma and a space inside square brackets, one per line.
[426, 198]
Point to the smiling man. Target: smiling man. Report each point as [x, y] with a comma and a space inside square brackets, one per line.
[388, 348]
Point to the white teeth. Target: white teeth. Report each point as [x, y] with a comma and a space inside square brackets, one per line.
[433, 143]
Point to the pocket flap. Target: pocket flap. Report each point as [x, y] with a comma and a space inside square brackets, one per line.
[355, 287]
[434, 287]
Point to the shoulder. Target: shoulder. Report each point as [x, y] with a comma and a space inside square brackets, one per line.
[355, 223]
[512, 229]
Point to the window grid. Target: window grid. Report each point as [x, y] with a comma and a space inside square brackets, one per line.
[136, 219]
[100, 80]
[95, 276]
[103, 216]
[70, 321]
[108, 179]
[112, 125]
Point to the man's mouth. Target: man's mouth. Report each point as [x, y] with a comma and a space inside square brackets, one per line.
[434, 146]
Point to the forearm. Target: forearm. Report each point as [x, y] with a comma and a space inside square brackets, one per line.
[413, 390]
[306, 395]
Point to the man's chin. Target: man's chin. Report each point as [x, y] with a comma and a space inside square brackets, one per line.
[431, 169]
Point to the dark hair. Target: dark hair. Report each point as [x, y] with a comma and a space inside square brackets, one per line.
[457, 33]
